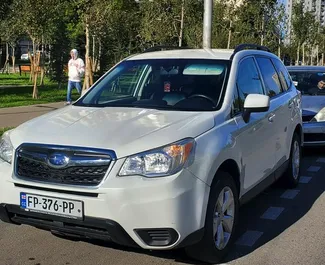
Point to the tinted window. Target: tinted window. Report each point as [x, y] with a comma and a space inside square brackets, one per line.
[174, 84]
[248, 80]
[237, 104]
[309, 82]
[270, 76]
[283, 74]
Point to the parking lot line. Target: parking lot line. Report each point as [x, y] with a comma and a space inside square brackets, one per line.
[272, 213]
[290, 194]
[305, 180]
[249, 238]
[313, 169]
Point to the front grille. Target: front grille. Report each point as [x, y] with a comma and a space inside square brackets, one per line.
[71, 166]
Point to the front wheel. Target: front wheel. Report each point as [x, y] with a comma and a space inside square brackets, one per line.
[292, 175]
[221, 221]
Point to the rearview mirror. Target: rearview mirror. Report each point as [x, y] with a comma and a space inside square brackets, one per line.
[255, 103]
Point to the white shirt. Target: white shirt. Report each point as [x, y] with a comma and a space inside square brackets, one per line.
[76, 69]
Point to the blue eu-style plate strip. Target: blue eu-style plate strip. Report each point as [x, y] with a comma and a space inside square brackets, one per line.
[23, 200]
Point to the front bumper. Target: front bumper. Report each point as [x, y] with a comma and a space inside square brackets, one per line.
[131, 211]
[314, 133]
[88, 228]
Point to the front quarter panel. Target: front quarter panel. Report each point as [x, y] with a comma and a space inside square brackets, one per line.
[213, 148]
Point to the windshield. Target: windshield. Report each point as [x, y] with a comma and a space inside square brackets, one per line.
[173, 84]
[309, 82]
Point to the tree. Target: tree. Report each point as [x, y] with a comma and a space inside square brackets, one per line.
[160, 23]
[10, 33]
[301, 21]
[5, 9]
[39, 19]
[193, 21]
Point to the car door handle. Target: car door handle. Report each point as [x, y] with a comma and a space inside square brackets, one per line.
[271, 117]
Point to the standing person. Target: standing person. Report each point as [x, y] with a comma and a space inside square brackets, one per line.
[76, 69]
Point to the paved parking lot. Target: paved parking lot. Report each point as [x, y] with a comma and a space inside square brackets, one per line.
[278, 227]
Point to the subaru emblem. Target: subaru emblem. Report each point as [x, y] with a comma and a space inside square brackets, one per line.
[57, 160]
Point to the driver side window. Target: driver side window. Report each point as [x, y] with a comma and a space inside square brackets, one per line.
[248, 81]
[124, 85]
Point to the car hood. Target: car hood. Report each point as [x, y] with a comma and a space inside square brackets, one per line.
[124, 130]
[312, 104]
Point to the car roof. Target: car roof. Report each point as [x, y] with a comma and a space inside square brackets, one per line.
[305, 68]
[223, 54]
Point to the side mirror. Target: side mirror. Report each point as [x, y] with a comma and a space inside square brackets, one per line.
[295, 83]
[255, 103]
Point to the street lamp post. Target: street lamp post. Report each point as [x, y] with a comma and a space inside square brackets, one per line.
[182, 25]
[207, 23]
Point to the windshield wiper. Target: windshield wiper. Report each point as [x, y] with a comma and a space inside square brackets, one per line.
[147, 106]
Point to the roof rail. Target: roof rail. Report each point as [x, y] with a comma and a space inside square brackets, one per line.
[164, 47]
[245, 46]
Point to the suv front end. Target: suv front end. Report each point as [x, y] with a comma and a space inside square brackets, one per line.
[132, 201]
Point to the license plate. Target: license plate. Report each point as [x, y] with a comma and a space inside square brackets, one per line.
[51, 205]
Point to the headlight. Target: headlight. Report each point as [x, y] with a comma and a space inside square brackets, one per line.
[160, 162]
[320, 116]
[6, 148]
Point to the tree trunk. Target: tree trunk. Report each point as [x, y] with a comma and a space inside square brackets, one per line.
[99, 55]
[298, 54]
[86, 81]
[180, 40]
[42, 75]
[42, 66]
[31, 60]
[91, 80]
[36, 64]
[262, 37]
[93, 55]
[6, 65]
[13, 58]
[303, 53]
[229, 35]
[35, 89]
[322, 59]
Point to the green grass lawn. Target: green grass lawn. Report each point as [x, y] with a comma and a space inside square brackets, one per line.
[14, 79]
[22, 96]
[2, 130]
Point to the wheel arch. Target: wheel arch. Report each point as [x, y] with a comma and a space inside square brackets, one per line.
[231, 167]
[299, 131]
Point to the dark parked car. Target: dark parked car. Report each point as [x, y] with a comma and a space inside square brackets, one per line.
[310, 80]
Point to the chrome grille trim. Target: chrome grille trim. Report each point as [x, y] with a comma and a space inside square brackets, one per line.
[86, 167]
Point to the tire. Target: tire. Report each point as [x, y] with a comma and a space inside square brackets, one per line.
[291, 177]
[206, 250]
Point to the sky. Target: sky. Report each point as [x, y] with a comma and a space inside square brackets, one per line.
[283, 1]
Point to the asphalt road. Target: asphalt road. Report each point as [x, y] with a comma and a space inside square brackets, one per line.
[278, 227]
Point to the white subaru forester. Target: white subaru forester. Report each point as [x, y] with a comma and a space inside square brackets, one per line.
[160, 152]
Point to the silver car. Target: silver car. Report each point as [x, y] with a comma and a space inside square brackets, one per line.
[310, 80]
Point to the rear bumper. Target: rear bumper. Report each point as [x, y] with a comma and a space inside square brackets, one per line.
[314, 133]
